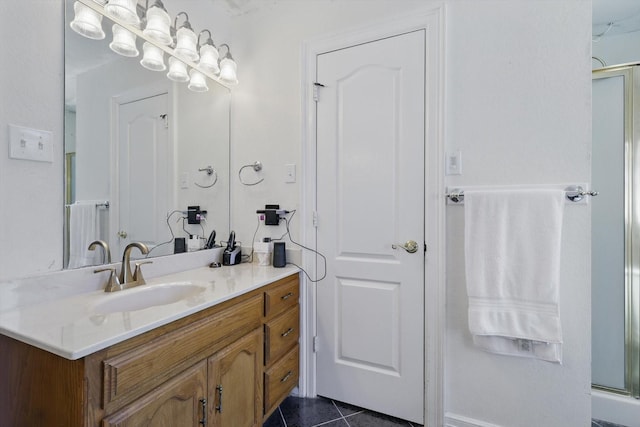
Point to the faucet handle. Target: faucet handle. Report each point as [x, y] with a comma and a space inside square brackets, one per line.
[113, 284]
[137, 273]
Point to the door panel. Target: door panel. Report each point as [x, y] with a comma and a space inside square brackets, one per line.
[370, 139]
[143, 176]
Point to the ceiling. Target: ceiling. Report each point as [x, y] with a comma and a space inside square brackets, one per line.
[611, 17]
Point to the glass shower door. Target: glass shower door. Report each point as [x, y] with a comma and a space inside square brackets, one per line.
[614, 253]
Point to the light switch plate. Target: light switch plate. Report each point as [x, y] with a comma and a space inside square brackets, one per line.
[453, 165]
[30, 144]
[184, 180]
[290, 173]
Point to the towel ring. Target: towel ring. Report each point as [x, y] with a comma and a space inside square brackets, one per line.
[210, 171]
[257, 166]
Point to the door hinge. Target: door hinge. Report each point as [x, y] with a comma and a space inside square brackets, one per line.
[425, 248]
[315, 219]
[316, 85]
[316, 345]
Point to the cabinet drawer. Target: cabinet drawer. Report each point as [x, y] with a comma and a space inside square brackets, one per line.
[133, 373]
[280, 379]
[281, 334]
[282, 296]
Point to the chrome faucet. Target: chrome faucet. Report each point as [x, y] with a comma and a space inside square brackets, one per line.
[135, 278]
[126, 279]
[106, 253]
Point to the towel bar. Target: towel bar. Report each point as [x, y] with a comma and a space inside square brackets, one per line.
[573, 193]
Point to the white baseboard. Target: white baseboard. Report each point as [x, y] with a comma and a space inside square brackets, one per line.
[454, 420]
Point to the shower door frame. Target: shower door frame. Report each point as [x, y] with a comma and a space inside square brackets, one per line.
[631, 78]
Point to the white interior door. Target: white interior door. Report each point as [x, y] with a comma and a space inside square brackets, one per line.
[143, 172]
[370, 196]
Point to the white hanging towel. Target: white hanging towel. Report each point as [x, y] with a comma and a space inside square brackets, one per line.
[512, 259]
[83, 229]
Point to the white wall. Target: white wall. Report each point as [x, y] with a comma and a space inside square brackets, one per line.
[518, 106]
[31, 212]
[521, 116]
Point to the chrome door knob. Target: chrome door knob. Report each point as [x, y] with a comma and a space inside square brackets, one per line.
[410, 246]
[122, 234]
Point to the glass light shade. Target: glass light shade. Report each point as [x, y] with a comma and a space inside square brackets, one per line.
[153, 58]
[198, 82]
[87, 22]
[186, 44]
[177, 71]
[123, 9]
[124, 41]
[209, 59]
[158, 26]
[228, 68]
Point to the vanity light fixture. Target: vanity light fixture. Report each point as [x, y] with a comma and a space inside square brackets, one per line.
[124, 42]
[209, 55]
[184, 48]
[228, 68]
[158, 23]
[87, 22]
[124, 10]
[186, 40]
[153, 57]
[177, 71]
[197, 83]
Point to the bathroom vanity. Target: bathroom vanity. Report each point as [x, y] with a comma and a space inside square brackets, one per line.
[229, 361]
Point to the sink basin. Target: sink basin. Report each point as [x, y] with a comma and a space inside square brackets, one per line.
[146, 296]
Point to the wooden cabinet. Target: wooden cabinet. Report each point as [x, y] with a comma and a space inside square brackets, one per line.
[235, 383]
[282, 332]
[179, 401]
[229, 365]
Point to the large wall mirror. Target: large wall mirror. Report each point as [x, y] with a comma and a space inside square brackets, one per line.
[140, 149]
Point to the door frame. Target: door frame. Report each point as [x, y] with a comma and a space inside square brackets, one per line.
[432, 21]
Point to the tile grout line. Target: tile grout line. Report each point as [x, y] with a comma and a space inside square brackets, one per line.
[340, 412]
[282, 417]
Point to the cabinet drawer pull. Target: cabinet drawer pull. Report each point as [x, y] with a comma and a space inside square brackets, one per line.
[219, 407]
[286, 377]
[286, 333]
[287, 296]
[203, 403]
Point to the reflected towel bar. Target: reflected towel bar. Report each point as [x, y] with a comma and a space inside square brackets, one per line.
[573, 193]
[104, 204]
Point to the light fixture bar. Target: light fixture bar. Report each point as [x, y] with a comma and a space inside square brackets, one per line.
[100, 9]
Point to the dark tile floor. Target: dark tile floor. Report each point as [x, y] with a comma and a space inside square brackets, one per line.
[305, 412]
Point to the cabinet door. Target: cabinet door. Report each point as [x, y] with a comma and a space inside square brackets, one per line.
[178, 402]
[235, 383]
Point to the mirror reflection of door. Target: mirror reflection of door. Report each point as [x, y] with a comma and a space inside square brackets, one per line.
[142, 141]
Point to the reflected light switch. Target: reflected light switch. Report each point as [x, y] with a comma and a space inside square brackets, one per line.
[290, 173]
[184, 180]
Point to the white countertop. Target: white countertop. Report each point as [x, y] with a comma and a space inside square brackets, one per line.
[75, 326]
